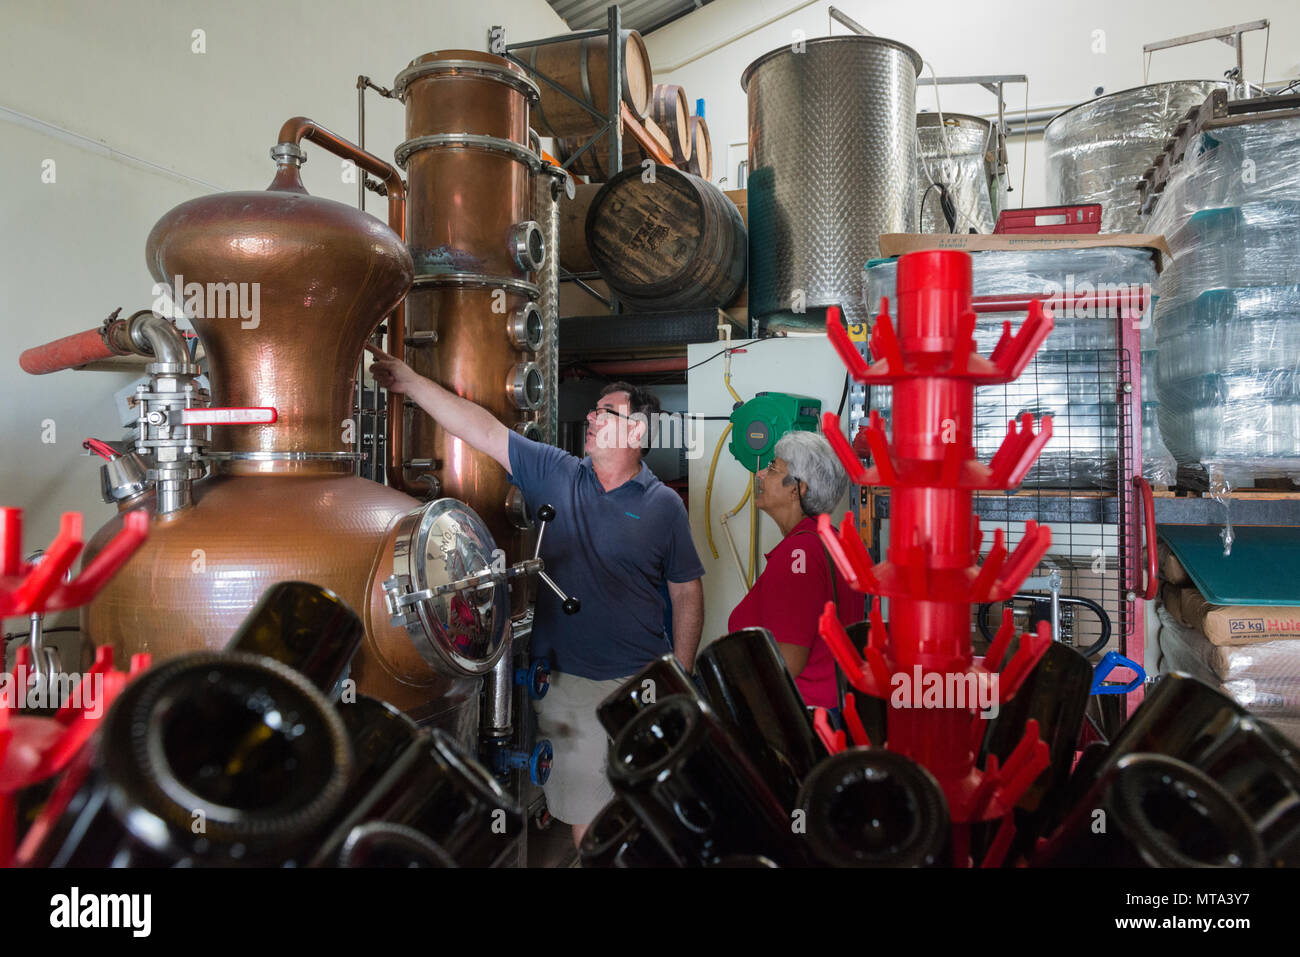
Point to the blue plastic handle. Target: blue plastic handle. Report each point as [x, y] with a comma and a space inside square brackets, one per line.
[1109, 662]
[536, 678]
[539, 763]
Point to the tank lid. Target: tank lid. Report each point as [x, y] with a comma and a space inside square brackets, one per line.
[963, 119]
[823, 41]
[1133, 89]
[457, 630]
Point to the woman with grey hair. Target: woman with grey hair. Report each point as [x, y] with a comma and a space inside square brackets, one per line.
[803, 480]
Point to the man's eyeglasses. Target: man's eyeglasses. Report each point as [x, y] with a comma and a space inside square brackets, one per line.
[600, 411]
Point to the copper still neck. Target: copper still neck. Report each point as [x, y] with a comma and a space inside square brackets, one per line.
[283, 288]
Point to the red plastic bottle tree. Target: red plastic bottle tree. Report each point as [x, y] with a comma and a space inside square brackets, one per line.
[35, 748]
[931, 573]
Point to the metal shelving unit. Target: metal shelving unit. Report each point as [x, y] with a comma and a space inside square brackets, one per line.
[613, 127]
[1086, 493]
[1103, 508]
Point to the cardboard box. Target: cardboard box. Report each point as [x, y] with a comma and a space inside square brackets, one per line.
[896, 244]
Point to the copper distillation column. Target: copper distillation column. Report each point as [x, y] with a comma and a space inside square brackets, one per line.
[472, 322]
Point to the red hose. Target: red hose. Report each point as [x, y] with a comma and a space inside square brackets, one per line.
[66, 353]
[102, 449]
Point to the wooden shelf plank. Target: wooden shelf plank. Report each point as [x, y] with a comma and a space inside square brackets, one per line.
[633, 126]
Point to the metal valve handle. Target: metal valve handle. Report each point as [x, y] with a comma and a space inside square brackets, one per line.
[241, 415]
[571, 605]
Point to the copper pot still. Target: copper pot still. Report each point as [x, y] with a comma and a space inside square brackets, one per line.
[473, 322]
[282, 502]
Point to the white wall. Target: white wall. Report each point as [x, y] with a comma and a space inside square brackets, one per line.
[125, 76]
[803, 365]
[1051, 42]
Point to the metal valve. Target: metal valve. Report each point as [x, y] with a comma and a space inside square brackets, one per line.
[570, 605]
[46, 665]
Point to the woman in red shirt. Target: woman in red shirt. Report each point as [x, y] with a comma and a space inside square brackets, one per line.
[803, 480]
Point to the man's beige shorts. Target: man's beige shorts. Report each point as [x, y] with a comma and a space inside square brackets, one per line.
[578, 787]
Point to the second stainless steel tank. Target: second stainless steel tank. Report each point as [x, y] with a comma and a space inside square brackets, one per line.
[961, 155]
[832, 125]
[1097, 151]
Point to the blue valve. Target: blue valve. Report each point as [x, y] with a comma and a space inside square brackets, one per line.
[1109, 662]
[537, 762]
[536, 678]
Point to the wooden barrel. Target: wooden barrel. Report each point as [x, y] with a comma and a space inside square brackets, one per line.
[594, 163]
[668, 107]
[573, 228]
[675, 243]
[701, 159]
[582, 68]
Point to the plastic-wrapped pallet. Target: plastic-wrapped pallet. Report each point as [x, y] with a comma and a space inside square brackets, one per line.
[1228, 320]
[1073, 376]
[1233, 166]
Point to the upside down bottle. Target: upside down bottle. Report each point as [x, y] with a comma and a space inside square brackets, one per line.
[691, 785]
[209, 759]
[751, 691]
[434, 789]
[308, 628]
[868, 807]
[1151, 810]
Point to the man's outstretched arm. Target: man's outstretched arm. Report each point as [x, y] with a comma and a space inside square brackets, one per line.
[470, 423]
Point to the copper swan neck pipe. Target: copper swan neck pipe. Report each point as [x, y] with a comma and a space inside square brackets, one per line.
[300, 128]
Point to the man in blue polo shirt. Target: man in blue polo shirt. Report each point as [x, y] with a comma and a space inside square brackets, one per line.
[619, 533]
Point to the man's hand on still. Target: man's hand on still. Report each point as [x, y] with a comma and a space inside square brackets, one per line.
[392, 374]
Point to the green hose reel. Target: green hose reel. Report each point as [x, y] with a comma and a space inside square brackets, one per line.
[759, 423]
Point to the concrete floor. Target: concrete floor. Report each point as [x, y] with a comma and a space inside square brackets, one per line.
[551, 846]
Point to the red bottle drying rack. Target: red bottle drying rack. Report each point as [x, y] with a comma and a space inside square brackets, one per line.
[35, 748]
[931, 574]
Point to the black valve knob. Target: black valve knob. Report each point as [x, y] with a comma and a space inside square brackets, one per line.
[545, 513]
[571, 606]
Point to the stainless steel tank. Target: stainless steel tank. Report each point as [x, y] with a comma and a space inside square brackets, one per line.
[1098, 150]
[832, 128]
[961, 155]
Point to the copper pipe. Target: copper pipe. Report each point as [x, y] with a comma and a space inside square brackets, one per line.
[631, 367]
[300, 128]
